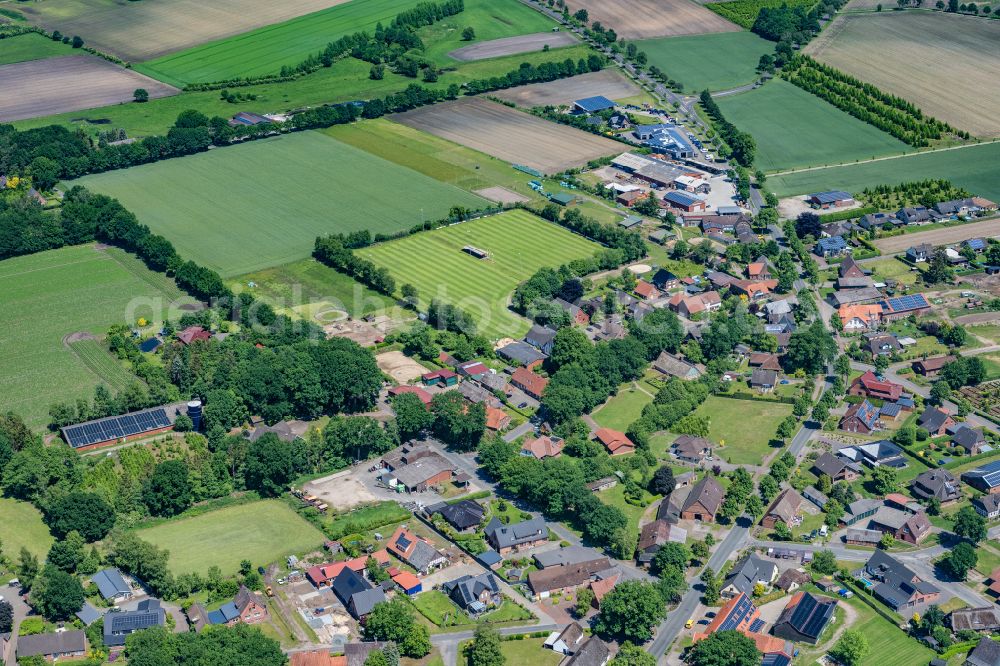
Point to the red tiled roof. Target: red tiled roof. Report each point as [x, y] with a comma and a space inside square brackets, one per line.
[406, 580]
[494, 417]
[603, 586]
[529, 381]
[424, 396]
[614, 440]
[193, 334]
[645, 289]
[543, 447]
[878, 388]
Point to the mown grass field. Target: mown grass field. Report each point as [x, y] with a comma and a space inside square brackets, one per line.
[519, 244]
[623, 408]
[344, 81]
[714, 62]
[795, 129]
[976, 168]
[266, 50]
[742, 428]
[49, 295]
[261, 532]
[99, 361]
[31, 46]
[262, 204]
[23, 529]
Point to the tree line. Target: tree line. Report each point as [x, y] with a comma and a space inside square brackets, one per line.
[741, 143]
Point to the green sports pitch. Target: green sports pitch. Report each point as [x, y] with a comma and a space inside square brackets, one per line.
[245, 208]
[518, 244]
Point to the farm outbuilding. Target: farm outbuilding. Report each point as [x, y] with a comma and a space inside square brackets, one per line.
[592, 104]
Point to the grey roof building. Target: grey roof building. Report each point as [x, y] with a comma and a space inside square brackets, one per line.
[463, 515]
[567, 556]
[117, 626]
[897, 585]
[541, 337]
[112, 585]
[593, 653]
[936, 483]
[502, 536]
[522, 353]
[88, 614]
[746, 573]
[56, 644]
[468, 591]
[986, 653]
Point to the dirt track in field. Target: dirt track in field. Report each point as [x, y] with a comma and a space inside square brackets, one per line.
[643, 19]
[136, 31]
[607, 82]
[71, 83]
[946, 64]
[495, 48]
[986, 228]
[508, 134]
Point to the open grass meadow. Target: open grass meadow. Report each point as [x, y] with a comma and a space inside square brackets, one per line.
[261, 532]
[714, 62]
[266, 50]
[742, 428]
[519, 244]
[49, 295]
[622, 409]
[31, 46]
[23, 528]
[796, 129]
[262, 204]
[976, 168]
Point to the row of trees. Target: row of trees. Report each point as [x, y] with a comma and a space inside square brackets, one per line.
[741, 143]
[332, 251]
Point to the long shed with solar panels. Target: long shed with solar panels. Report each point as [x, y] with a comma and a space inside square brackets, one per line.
[116, 429]
[985, 478]
[900, 307]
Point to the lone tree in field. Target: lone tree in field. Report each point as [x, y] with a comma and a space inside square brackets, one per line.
[468, 34]
[140, 95]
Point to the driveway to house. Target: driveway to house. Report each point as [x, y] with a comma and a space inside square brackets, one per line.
[519, 431]
[12, 595]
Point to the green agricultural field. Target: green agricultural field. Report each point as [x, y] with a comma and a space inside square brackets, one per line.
[715, 62]
[622, 409]
[519, 244]
[261, 532]
[344, 81]
[49, 295]
[99, 361]
[31, 46]
[745, 427]
[266, 50]
[262, 204]
[308, 285]
[795, 129]
[30, 532]
[744, 12]
[976, 168]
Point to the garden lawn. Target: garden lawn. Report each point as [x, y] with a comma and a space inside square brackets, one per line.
[894, 269]
[262, 204]
[887, 643]
[24, 529]
[622, 409]
[31, 46]
[519, 244]
[49, 295]
[261, 532]
[708, 62]
[796, 129]
[746, 427]
[616, 497]
[437, 607]
[976, 168]
[529, 651]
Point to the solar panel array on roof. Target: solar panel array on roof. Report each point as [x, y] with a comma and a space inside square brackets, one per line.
[810, 616]
[990, 473]
[911, 302]
[757, 625]
[115, 427]
[739, 613]
[830, 197]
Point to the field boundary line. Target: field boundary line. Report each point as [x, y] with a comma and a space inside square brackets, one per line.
[80, 350]
[46, 268]
[147, 276]
[881, 159]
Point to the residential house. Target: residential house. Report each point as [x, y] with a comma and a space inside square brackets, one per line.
[804, 618]
[792, 579]
[463, 515]
[704, 500]
[691, 448]
[759, 269]
[567, 641]
[836, 468]
[497, 420]
[532, 384]
[936, 421]
[576, 313]
[546, 446]
[784, 508]
[842, 228]
[688, 306]
[286, 431]
[985, 478]
[193, 334]
[930, 367]
[738, 614]
[673, 366]
[356, 593]
[986, 653]
[477, 393]
[614, 441]
[474, 593]
[765, 361]
[882, 452]
[602, 585]
[863, 317]
[430, 470]
[920, 253]
[861, 418]
[423, 395]
[870, 385]
[523, 354]
[506, 539]
[878, 221]
[763, 381]
[592, 653]
[937, 484]
[247, 607]
[970, 439]
[664, 280]
[987, 506]
[566, 577]
[897, 585]
[977, 245]
[646, 291]
[904, 526]
[322, 575]
[117, 626]
[753, 290]
[882, 344]
[541, 338]
[914, 215]
[986, 618]
[656, 534]
[112, 585]
[747, 573]
[849, 268]
[831, 199]
[53, 646]
[859, 510]
[415, 550]
[831, 247]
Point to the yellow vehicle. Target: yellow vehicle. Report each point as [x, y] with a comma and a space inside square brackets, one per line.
[689, 624]
[269, 591]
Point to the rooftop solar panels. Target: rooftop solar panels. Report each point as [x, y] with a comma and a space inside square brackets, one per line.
[594, 104]
[116, 427]
[990, 473]
[830, 197]
[757, 625]
[810, 616]
[904, 303]
[741, 610]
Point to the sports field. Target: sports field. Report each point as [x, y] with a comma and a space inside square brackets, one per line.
[261, 532]
[519, 244]
[909, 53]
[31, 46]
[713, 62]
[266, 50]
[47, 296]
[511, 135]
[795, 129]
[643, 19]
[23, 528]
[136, 31]
[976, 168]
[262, 204]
